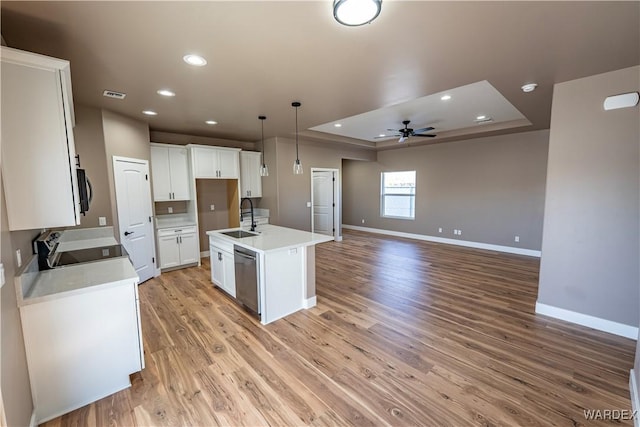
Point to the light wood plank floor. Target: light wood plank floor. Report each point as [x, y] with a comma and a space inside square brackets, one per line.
[405, 333]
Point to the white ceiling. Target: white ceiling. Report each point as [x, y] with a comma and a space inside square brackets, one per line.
[459, 113]
[265, 54]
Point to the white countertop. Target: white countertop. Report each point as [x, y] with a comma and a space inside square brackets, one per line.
[273, 238]
[171, 221]
[78, 278]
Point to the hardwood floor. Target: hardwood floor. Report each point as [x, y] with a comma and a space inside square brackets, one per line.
[405, 333]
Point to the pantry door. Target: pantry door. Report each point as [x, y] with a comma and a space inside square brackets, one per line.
[133, 200]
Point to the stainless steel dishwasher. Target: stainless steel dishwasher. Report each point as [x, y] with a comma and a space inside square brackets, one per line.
[246, 268]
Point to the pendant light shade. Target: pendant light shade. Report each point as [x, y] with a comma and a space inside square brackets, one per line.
[297, 166]
[354, 13]
[264, 170]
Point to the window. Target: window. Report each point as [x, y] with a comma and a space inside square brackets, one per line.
[398, 195]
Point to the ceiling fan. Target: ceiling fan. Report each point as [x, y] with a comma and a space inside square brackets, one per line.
[407, 132]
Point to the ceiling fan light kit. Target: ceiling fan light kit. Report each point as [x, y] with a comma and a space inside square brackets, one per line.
[406, 132]
[354, 13]
[264, 170]
[297, 166]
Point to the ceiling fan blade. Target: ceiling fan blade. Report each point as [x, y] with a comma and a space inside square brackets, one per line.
[426, 136]
[386, 136]
[394, 130]
[424, 130]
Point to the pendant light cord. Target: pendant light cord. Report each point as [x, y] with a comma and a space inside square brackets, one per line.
[297, 157]
[262, 123]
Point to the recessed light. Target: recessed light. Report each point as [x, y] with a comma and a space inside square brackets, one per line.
[211, 122]
[481, 118]
[338, 125]
[445, 97]
[196, 60]
[166, 92]
[149, 113]
[382, 135]
[529, 87]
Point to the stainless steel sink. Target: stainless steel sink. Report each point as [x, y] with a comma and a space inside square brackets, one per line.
[239, 234]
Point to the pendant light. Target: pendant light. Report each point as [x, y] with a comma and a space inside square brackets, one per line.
[264, 170]
[297, 166]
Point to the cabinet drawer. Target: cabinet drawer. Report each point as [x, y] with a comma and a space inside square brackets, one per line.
[221, 245]
[178, 230]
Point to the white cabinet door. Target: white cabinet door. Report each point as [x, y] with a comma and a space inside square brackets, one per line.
[250, 179]
[160, 172]
[179, 172]
[189, 248]
[169, 251]
[217, 266]
[38, 150]
[228, 164]
[229, 274]
[205, 162]
[170, 170]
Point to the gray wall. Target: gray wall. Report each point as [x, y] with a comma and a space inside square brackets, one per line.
[89, 141]
[491, 188]
[285, 194]
[590, 246]
[124, 137]
[16, 391]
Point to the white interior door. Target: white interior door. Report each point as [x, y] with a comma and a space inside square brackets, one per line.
[323, 202]
[133, 200]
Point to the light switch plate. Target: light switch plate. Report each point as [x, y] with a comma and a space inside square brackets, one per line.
[308, 204]
[102, 220]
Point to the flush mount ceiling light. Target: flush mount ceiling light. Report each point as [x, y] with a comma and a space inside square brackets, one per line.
[529, 87]
[196, 60]
[297, 166]
[149, 113]
[211, 122]
[166, 92]
[356, 12]
[264, 170]
[445, 97]
[338, 125]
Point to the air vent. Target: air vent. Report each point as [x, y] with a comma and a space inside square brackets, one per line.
[114, 94]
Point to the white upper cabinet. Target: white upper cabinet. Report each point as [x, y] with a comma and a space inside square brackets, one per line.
[170, 172]
[250, 179]
[215, 162]
[38, 149]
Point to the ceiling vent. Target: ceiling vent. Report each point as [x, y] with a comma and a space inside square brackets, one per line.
[114, 94]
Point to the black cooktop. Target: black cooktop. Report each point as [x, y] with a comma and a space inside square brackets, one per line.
[89, 255]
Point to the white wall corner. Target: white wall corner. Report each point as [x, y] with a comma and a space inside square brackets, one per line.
[593, 322]
[635, 398]
[309, 302]
[32, 421]
[434, 239]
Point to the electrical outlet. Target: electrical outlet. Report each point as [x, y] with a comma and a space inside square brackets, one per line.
[170, 209]
[18, 258]
[439, 229]
[459, 232]
[517, 239]
[213, 207]
[363, 220]
[308, 204]
[102, 220]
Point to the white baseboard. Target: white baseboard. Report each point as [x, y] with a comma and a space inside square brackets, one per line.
[635, 397]
[309, 302]
[468, 244]
[204, 254]
[32, 421]
[593, 322]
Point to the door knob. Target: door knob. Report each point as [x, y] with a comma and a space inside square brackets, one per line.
[126, 233]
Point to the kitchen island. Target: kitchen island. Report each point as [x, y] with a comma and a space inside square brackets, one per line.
[285, 267]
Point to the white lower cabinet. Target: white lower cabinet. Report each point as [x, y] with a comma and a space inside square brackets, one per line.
[223, 272]
[81, 348]
[178, 246]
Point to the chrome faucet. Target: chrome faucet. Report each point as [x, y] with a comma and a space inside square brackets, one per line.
[253, 222]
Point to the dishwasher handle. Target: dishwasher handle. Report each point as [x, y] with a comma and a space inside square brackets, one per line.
[244, 255]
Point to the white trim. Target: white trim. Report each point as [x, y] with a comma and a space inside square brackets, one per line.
[309, 302]
[468, 244]
[158, 272]
[588, 321]
[32, 421]
[635, 397]
[204, 254]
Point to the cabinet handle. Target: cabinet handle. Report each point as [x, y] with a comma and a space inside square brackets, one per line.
[219, 256]
[180, 239]
[177, 241]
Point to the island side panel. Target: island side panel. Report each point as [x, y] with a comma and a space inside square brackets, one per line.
[310, 288]
[284, 285]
